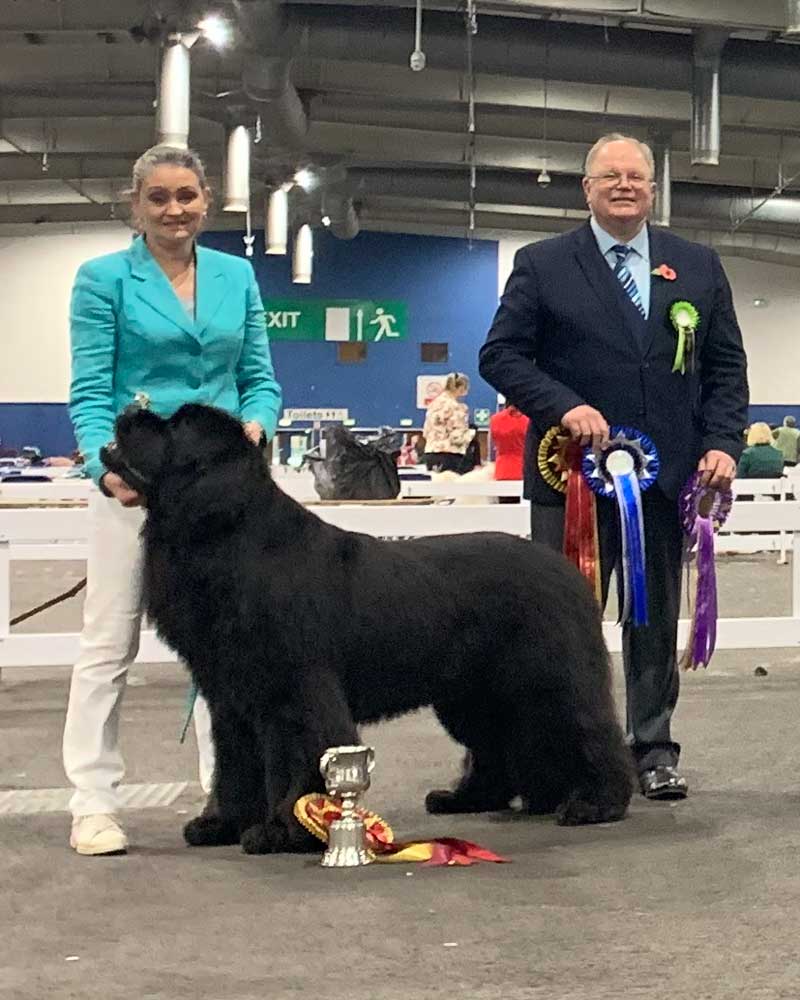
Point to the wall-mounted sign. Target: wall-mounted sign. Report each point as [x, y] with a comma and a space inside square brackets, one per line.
[481, 416]
[336, 320]
[316, 414]
[428, 388]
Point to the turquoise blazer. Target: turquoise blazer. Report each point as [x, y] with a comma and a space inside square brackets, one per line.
[130, 334]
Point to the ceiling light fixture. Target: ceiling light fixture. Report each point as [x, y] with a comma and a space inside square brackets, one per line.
[304, 179]
[216, 30]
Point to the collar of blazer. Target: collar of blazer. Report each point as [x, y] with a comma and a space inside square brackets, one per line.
[601, 278]
[154, 288]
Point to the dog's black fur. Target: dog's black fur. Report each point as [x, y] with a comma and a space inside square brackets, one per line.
[296, 631]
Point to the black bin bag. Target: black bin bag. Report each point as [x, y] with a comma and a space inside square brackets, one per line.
[356, 470]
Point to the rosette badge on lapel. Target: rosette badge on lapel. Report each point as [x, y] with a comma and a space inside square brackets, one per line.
[623, 469]
[560, 462]
[685, 319]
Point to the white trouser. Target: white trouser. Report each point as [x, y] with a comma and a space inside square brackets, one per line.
[109, 643]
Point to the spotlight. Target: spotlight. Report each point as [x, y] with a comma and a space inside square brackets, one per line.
[543, 180]
[215, 30]
[326, 220]
[760, 303]
[304, 179]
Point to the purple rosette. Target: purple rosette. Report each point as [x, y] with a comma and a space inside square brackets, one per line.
[702, 511]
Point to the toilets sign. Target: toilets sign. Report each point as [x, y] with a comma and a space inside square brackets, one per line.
[336, 320]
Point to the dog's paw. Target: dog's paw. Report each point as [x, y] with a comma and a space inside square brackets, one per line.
[260, 839]
[208, 831]
[580, 809]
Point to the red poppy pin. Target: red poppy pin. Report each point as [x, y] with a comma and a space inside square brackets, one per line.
[664, 271]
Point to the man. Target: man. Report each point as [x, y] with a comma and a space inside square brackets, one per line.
[786, 439]
[583, 338]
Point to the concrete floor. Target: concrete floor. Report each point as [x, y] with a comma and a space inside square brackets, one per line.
[697, 900]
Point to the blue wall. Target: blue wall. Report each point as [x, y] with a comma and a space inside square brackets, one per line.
[451, 294]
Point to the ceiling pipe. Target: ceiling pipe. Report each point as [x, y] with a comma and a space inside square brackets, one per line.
[704, 139]
[662, 206]
[303, 256]
[276, 227]
[237, 170]
[172, 115]
[698, 202]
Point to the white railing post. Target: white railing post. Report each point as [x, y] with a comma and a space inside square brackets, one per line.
[5, 591]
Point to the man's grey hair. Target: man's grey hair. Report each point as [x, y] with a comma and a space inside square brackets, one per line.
[158, 155]
[604, 140]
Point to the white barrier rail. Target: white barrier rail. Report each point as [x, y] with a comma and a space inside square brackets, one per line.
[54, 533]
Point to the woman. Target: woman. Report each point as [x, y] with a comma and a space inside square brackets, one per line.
[760, 460]
[447, 432]
[508, 429]
[167, 322]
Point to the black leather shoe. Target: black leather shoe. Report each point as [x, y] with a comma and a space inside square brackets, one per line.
[663, 782]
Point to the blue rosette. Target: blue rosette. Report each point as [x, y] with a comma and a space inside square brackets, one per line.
[623, 469]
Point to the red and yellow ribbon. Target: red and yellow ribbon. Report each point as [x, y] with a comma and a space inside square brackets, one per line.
[317, 812]
[560, 460]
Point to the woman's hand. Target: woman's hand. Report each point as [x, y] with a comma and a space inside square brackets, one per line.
[253, 430]
[120, 490]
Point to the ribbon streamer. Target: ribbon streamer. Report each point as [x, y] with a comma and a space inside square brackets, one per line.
[317, 812]
[623, 469]
[702, 512]
[560, 463]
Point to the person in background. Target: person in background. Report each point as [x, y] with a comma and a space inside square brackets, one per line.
[787, 438]
[447, 432]
[166, 322]
[760, 459]
[508, 428]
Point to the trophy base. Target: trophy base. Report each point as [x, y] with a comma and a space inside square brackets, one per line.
[347, 845]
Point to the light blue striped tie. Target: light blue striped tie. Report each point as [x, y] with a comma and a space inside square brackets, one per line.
[625, 277]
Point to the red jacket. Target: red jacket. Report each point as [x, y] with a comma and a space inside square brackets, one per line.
[508, 429]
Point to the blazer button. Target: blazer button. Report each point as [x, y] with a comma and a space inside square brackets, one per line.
[646, 366]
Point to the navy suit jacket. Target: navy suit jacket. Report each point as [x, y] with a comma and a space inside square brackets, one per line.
[566, 334]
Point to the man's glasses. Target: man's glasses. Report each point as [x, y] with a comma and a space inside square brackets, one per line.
[613, 178]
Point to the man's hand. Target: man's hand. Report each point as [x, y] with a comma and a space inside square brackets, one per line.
[719, 470]
[253, 430]
[120, 490]
[586, 425]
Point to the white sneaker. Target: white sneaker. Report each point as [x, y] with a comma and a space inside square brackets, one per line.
[98, 834]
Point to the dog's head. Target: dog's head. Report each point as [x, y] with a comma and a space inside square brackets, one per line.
[197, 463]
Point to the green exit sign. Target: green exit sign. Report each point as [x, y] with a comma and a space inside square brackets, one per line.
[336, 320]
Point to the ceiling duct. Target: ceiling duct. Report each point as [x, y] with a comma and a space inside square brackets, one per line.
[266, 74]
[172, 117]
[237, 170]
[343, 215]
[706, 120]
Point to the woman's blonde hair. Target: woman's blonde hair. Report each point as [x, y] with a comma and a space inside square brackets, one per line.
[759, 433]
[158, 155]
[457, 382]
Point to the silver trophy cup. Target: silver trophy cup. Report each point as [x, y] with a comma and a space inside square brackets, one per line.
[346, 771]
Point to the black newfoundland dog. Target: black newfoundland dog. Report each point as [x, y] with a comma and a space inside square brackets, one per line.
[296, 631]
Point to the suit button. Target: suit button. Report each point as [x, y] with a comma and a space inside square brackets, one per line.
[646, 366]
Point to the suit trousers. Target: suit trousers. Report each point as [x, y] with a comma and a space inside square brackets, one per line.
[109, 643]
[650, 652]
